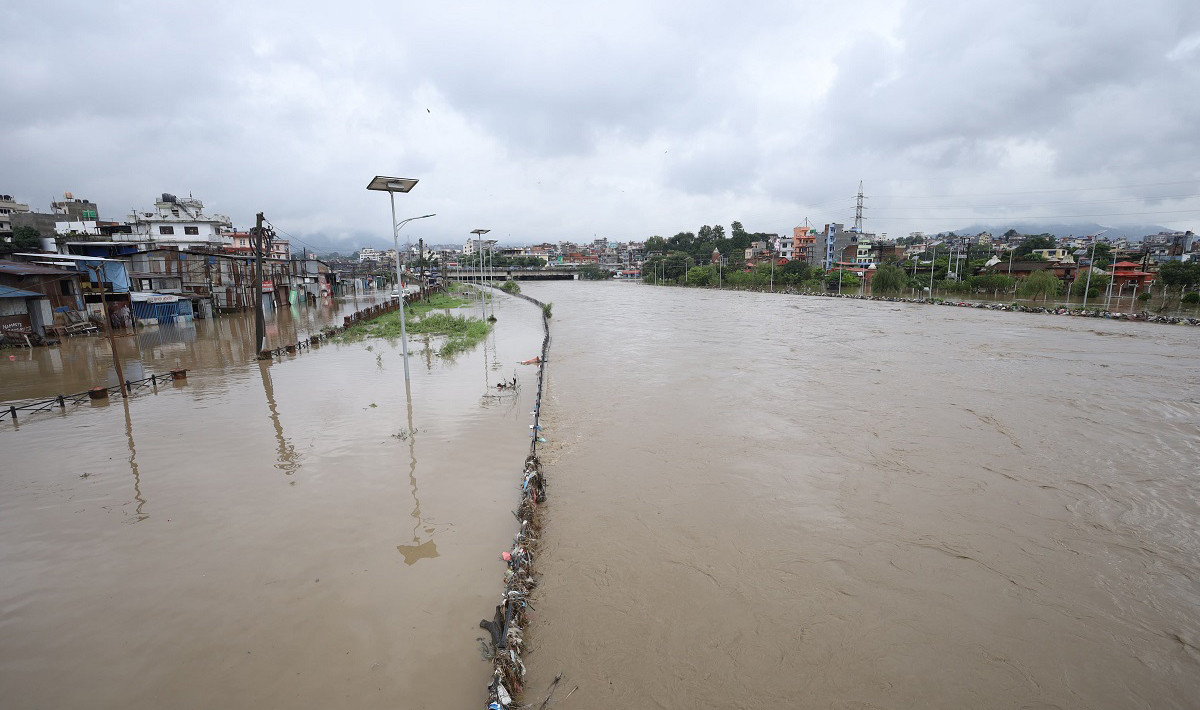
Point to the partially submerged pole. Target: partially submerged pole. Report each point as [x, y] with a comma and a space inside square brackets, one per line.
[260, 326]
[112, 343]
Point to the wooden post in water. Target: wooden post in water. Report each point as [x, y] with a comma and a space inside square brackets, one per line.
[112, 343]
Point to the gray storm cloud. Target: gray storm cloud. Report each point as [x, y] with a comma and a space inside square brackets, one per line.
[549, 121]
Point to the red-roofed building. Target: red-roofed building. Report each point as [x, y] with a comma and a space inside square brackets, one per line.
[1128, 272]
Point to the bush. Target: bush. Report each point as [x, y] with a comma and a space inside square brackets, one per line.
[1192, 297]
[1143, 296]
[510, 286]
[546, 309]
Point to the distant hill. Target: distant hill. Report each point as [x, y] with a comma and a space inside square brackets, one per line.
[1133, 232]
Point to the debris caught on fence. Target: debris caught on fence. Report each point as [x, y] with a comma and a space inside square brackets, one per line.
[506, 643]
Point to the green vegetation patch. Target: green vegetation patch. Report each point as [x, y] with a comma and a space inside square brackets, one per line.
[461, 332]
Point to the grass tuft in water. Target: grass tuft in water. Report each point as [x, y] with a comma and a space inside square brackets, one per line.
[461, 332]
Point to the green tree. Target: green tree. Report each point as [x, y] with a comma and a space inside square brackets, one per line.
[1040, 241]
[593, 272]
[656, 244]
[702, 275]
[1040, 284]
[684, 241]
[1102, 255]
[1098, 284]
[888, 279]
[1178, 273]
[795, 271]
[24, 238]
[848, 279]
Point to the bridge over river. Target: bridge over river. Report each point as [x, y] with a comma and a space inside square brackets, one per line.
[550, 273]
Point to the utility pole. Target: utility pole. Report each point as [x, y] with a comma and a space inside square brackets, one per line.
[112, 343]
[421, 261]
[260, 326]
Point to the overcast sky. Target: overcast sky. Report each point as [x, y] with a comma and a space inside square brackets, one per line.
[548, 121]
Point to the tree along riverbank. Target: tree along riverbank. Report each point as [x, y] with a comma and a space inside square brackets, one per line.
[1176, 295]
[1055, 309]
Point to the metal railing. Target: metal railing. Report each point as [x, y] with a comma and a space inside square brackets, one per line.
[13, 409]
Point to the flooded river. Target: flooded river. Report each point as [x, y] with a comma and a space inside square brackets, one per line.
[767, 501]
[757, 501]
[272, 535]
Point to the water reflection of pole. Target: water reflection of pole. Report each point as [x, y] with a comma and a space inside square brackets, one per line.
[133, 465]
[417, 550]
[287, 453]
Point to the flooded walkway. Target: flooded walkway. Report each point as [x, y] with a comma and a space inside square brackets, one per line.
[269, 535]
[211, 345]
[765, 501]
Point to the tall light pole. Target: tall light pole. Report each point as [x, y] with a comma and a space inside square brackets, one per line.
[392, 185]
[932, 263]
[1091, 265]
[479, 253]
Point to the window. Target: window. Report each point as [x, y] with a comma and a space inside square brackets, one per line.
[166, 230]
[191, 230]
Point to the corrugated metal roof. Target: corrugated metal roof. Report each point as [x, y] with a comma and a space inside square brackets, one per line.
[21, 268]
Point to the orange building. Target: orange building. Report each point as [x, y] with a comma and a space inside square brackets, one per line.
[804, 244]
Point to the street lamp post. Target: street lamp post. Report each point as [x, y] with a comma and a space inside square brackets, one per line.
[932, 264]
[392, 185]
[479, 255]
[1091, 265]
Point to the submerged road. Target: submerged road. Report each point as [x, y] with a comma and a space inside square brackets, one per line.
[269, 535]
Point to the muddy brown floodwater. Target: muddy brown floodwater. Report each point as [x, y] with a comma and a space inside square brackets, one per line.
[766, 501]
[266, 535]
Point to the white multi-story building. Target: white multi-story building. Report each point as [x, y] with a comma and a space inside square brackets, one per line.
[784, 246]
[179, 222]
[473, 246]
[8, 206]
[369, 254]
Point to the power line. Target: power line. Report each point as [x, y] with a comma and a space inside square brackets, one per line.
[1039, 192]
[1047, 204]
[291, 236]
[1044, 216]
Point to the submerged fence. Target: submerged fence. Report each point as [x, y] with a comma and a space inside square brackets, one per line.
[506, 628]
[61, 401]
[12, 410]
